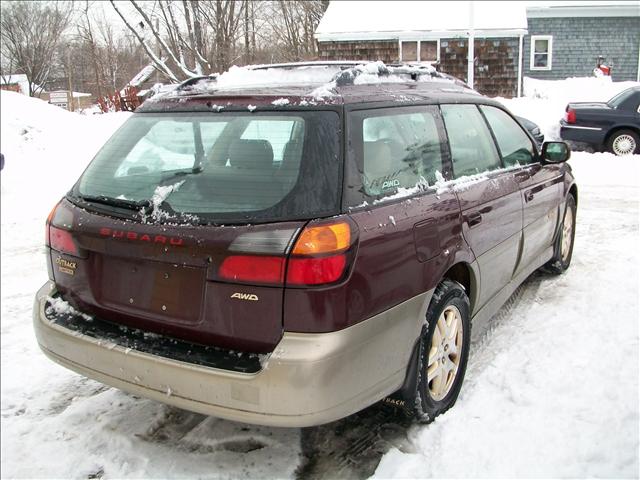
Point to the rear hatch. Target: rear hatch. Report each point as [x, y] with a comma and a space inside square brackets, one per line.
[182, 223]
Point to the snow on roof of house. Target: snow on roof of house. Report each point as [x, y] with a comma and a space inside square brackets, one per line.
[21, 80]
[408, 20]
[601, 8]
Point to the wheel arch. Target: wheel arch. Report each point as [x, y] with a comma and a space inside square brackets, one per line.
[465, 275]
[617, 128]
[573, 190]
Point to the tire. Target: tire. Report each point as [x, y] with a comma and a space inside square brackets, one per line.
[563, 249]
[623, 142]
[435, 394]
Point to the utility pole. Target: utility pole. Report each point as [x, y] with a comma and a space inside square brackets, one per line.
[470, 51]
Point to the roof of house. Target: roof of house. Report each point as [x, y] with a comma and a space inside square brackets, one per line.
[407, 20]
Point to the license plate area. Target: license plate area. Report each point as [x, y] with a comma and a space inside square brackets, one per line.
[153, 289]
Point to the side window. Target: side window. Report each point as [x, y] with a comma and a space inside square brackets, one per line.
[515, 145]
[397, 150]
[472, 148]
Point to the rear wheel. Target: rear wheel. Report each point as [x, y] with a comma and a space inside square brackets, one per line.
[563, 250]
[624, 142]
[444, 351]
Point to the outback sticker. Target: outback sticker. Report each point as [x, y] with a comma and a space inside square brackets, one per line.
[245, 296]
[65, 266]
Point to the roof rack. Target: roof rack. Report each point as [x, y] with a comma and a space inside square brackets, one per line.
[328, 63]
[348, 76]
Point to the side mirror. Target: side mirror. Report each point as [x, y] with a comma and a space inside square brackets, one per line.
[555, 152]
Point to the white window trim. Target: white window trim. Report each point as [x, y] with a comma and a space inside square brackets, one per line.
[437, 40]
[549, 39]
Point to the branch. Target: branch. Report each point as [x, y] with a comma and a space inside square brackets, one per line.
[160, 65]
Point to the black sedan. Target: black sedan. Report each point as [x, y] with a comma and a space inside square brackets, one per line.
[613, 126]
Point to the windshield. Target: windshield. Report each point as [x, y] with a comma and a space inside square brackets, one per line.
[620, 98]
[235, 167]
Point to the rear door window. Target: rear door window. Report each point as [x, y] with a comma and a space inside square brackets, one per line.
[514, 144]
[472, 148]
[394, 152]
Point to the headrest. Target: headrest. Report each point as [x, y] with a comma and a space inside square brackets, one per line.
[377, 158]
[255, 154]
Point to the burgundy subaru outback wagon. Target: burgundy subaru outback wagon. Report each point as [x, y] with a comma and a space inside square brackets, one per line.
[287, 256]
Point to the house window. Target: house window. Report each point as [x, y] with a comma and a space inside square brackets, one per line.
[419, 51]
[541, 52]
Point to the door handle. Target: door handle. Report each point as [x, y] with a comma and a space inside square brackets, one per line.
[474, 218]
[528, 195]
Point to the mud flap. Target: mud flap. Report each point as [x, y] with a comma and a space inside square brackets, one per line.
[405, 397]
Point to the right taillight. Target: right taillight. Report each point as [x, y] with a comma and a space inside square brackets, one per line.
[570, 116]
[319, 255]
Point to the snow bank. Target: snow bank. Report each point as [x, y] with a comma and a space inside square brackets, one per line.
[46, 149]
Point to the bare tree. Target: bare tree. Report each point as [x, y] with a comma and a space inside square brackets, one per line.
[30, 33]
[205, 36]
[294, 23]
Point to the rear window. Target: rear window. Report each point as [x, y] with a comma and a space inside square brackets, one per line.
[234, 167]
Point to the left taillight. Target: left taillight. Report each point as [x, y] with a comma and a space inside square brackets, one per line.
[58, 238]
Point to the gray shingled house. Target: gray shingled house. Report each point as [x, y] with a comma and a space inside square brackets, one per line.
[567, 38]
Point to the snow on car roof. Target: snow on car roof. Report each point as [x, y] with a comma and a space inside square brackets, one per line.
[317, 80]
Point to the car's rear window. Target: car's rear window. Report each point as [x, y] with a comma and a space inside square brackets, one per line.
[223, 167]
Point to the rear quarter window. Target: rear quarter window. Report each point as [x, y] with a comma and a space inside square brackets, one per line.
[394, 152]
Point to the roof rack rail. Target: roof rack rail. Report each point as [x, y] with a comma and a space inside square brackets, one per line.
[193, 80]
[326, 63]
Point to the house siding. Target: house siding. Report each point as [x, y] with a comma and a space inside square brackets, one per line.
[496, 66]
[577, 42]
[385, 50]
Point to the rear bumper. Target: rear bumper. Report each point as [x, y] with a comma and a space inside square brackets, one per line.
[577, 133]
[309, 379]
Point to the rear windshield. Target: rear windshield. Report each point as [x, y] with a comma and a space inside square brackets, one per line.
[224, 167]
[620, 98]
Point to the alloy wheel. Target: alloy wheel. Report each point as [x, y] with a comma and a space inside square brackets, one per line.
[445, 353]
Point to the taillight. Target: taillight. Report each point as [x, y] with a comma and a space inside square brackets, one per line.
[57, 238]
[570, 115]
[253, 269]
[318, 256]
[315, 271]
[62, 241]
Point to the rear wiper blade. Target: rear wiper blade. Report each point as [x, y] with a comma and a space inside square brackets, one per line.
[117, 202]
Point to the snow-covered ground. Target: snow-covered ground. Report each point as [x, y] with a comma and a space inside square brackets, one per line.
[551, 390]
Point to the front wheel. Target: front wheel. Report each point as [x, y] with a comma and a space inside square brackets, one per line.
[444, 351]
[624, 142]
